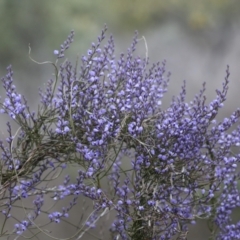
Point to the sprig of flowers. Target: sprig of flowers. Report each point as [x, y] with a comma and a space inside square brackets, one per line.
[93, 117]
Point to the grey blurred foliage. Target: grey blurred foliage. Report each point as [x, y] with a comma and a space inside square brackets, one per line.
[44, 23]
[197, 38]
[22, 23]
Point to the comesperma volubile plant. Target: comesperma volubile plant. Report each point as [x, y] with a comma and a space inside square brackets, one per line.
[182, 162]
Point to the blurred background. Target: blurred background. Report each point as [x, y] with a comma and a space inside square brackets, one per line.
[197, 38]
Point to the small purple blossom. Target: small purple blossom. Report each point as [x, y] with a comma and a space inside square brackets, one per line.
[55, 52]
[64, 46]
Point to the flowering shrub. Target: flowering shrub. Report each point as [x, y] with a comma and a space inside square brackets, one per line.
[92, 117]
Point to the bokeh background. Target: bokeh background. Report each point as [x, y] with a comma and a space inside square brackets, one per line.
[197, 38]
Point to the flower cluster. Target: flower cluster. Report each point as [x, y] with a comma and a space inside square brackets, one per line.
[156, 170]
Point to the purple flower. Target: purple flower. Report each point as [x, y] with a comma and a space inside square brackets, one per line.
[95, 117]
